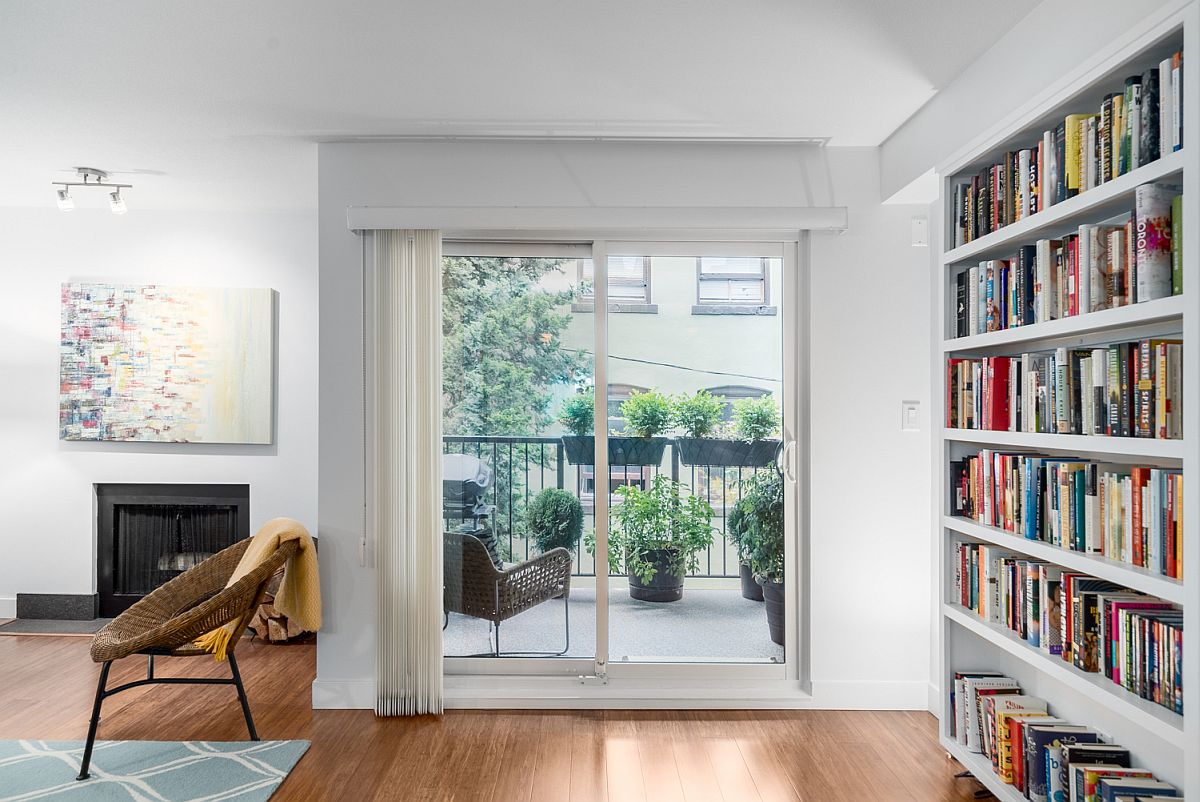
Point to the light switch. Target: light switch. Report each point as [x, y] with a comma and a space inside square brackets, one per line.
[920, 232]
[910, 416]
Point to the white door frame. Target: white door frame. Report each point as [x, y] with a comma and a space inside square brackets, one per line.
[566, 682]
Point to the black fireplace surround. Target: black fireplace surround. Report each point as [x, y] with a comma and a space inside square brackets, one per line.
[147, 534]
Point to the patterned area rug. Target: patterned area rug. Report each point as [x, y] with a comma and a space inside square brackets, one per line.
[146, 771]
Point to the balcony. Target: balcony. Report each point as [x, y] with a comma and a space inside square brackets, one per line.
[712, 621]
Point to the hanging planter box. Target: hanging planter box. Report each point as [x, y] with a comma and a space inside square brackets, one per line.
[580, 450]
[715, 451]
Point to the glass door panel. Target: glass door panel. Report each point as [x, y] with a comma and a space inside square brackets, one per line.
[695, 393]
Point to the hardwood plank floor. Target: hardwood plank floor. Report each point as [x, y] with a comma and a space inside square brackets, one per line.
[47, 684]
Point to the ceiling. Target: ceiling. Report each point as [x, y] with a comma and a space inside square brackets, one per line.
[218, 104]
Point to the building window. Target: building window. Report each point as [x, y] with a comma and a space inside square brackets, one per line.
[617, 395]
[733, 285]
[628, 285]
[731, 393]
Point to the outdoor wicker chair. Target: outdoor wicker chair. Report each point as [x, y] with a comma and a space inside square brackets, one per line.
[165, 623]
[474, 586]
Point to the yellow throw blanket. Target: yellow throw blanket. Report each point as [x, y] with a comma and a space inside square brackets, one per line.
[299, 594]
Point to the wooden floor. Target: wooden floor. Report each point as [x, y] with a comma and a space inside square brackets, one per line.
[47, 683]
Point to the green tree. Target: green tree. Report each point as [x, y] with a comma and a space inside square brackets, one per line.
[502, 345]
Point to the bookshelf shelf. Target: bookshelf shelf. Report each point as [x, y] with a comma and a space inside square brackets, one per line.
[1146, 714]
[1139, 579]
[981, 769]
[1138, 447]
[1159, 739]
[1111, 324]
[1093, 206]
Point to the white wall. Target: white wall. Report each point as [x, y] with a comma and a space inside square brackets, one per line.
[870, 570]
[46, 494]
[1052, 40]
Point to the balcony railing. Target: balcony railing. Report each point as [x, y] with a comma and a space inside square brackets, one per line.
[523, 466]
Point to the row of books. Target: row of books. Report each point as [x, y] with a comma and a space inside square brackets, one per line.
[1041, 755]
[1098, 267]
[1096, 625]
[1133, 514]
[1129, 389]
[1132, 128]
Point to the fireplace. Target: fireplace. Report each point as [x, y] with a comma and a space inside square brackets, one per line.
[148, 534]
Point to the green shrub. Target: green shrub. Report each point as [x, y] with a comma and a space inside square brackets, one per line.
[699, 414]
[555, 520]
[647, 414]
[756, 418]
[578, 414]
[758, 518]
[664, 517]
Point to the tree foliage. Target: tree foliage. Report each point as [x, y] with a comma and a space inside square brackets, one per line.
[502, 345]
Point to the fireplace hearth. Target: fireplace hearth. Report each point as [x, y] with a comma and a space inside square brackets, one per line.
[148, 534]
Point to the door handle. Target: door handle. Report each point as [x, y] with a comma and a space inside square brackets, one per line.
[787, 458]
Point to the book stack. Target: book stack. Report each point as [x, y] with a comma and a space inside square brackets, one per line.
[1132, 514]
[1041, 755]
[1130, 389]
[1097, 626]
[1126, 261]
[1131, 128]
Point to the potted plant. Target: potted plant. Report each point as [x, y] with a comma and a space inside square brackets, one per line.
[735, 528]
[698, 416]
[647, 415]
[755, 424]
[554, 520]
[656, 538]
[760, 539]
[578, 416]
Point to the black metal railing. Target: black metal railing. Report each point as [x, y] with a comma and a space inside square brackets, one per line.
[523, 466]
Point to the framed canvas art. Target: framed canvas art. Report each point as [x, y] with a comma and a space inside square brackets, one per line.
[166, 364]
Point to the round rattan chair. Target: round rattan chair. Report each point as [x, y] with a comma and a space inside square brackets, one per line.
[164, 624]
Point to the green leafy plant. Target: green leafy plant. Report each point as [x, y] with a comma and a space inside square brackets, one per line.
[756, 418]
[578, 413]
[647, 414]
[756, 526]
[555, 520]
[698, 415]
[661, 518]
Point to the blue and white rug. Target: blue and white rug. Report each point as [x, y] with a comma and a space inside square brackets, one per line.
[146, 771]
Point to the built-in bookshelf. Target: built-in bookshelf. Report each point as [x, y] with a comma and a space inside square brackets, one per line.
[1159, 738]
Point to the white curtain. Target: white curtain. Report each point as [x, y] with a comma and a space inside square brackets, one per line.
[407, 489]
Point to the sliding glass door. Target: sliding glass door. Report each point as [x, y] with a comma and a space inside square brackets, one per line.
[617, 490]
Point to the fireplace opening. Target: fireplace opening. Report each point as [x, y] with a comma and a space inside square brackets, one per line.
[149, 534]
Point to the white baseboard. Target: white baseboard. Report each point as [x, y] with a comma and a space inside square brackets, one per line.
[552, 693]
[8, 606]
[348, 694]
[935, 700]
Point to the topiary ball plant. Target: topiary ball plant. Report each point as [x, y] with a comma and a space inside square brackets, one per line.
[756, 418]
[647, 414]
[698, 415]
[555, 520]
[578, 414]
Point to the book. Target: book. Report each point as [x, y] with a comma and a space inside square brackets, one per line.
[1043, 742]
[1085, 779]
[1083, 754]
[1109, 788]
[1152, 211]
[1177, 245]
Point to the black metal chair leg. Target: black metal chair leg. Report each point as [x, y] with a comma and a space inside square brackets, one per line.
[496, 648]
[237, 680]
[91, 737]
[567, 625]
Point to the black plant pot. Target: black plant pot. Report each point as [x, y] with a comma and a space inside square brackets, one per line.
[773, 596]
[750, 588]
[580, 449]
[665, 586]
[636, 450]
[730, 453]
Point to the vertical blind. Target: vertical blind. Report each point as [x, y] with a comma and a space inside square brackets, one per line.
[407, 417]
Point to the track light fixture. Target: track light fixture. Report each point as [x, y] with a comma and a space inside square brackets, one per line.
[91, 177]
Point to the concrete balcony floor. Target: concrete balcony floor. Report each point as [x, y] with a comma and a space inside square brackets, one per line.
[712, 621]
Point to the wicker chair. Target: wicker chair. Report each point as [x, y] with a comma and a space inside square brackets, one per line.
[475, 587]
[165, 623]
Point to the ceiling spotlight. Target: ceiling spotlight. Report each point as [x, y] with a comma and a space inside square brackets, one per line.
[91, 177]
[65, 202]
[116, 203]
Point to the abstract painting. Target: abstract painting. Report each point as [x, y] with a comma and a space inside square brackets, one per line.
[166, 364]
